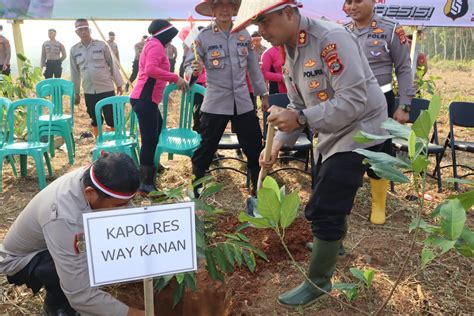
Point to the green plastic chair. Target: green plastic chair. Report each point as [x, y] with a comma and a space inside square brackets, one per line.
[4, 104]
[32, 146]
[182, 140]
[124, 138]
[62, 124]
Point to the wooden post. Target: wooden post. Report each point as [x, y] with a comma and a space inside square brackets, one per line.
[413, 53]
[148, 283]
[18, 42]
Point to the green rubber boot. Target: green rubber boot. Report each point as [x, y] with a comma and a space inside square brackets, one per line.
[321, 268]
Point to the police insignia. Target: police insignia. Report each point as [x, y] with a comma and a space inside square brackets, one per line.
[323, 95]
[375, 54]
[215, 54]
[334, 64]
[455, 9]
[373, 24]
[401, 34]
[285, 71]
[378, 31]
[302, 38]
[326, 50]
[79, 244]
[216, 62]
[310, 63]
[314, 84]
[241, 38]
[215, 29]
[375, 42]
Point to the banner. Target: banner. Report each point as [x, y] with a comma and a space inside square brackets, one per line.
[459, 13]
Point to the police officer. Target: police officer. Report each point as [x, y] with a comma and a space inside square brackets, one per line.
[53, 54]
[257, 46]
[384, 43]
[91, 60]
[113, 46]
[226, 57]
[333, 91]
[172, 53]
[45, 246]
[5, 54]
[138, 50]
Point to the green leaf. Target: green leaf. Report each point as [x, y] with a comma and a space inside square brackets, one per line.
[390, 173]
[211, 266]
[441, 245]
[396, 129]
[178, 294]
[268, 205]
[433, 109]
[243, 237]
[468, 237]
[202, 180]
[229, 253]
[412, 145]
[289, 209]
[257, 222]
[382, 158]
[179, 277]
[348, 289]
[221, 260]
[424, 226]
[362, 137]
[454, 217]
[464, 250]
[357, 273]
[211, 190]
[369, 275]
[249, 259]
[422, 126]
[427, 255]
[466, 198]
[190, 281]
[271, 183]
[237, 254]
[247, 246]
[420, 164]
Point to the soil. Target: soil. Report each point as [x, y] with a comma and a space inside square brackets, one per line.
[441, 288]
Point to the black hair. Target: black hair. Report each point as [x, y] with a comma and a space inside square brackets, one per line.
[81, 21]
[145, 36]
[116, 171]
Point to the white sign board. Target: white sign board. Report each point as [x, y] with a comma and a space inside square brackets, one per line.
[131, 244]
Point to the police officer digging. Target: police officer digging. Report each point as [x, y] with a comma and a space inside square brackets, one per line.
[333, 91]
[45, 246]
[91, 61]
[53, 54]
[384, 43]
[226, 57]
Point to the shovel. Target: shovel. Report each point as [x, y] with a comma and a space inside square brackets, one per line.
[252, 201]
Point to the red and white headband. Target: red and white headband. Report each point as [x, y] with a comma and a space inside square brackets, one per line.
[109, 192]
[166, 28]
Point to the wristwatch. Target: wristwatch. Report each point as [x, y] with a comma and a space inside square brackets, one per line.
[404, 107]
[302, 119]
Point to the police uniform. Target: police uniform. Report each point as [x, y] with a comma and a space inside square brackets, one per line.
[138, 50]
[227, 57]
[52, 55]
[172, 54]
[94, 64]
[5, 55]
[46, 241]
[114, 48]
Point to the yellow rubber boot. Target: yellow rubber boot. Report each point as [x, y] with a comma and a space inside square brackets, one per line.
[379, 190]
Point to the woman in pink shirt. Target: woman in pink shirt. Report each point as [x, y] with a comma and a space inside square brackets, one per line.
[272, 61]
[153, 76]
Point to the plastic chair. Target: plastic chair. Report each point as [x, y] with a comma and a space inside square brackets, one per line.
[32, 146]
[62, 124]
[124, 138]
[181, 140]
[303, 144]
[460, 114]
[417, 105]
[4, 104]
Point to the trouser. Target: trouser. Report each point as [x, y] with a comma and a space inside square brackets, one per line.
[387, 145]
[91, 101]
[41, 272]
[150, 122]
[211, 128]
[5, 72]
[53, 68]
[172, 64]
[134, 74]
[337, 180]
[197, 102]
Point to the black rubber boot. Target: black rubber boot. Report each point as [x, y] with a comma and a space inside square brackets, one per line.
[254, 180]
[147, 180]
[197, 188]
[320, 271]
[49, 310]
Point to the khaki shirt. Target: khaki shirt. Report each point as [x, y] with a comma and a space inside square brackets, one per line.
[52, 51]
[53, 221]
[138, 49]
[94, 64]
[227, 58]
[5, 51]
[385, 46]
[114, 48]
[329, 79]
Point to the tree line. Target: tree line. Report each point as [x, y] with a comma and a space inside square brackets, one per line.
[448, 43]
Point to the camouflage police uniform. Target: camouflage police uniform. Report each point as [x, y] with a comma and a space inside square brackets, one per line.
[53, 54]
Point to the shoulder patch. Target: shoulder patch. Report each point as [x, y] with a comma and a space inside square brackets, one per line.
[79, 243]
[334, 64]
[328, 49]
[401, 35]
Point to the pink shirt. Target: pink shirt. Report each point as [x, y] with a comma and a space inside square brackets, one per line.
[154, 66]
[272, 57]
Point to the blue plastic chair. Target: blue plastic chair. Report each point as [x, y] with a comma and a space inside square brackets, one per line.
[62, 124]
[124, 138]
[4, 104]
[32, 146]
[181, 140]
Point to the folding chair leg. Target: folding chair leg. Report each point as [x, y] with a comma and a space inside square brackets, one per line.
[455, 172]
[70, 148]
[438, 173]
[52, 150]
[12, 163]
[23, 166]
[392, 187]
[40, 170]
[48, 164]
[1, 173]
[73, 145]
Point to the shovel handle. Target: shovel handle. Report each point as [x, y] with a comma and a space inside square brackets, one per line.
[267, 153]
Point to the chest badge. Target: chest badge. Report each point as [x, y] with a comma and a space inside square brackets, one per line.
[216, 63]
[378, 31]
[241, 38]
[216, 54]
[375, 54]
[375, 42]
[323, 96]
[373, 24]
[314, 84]
[310, 63]
[79, 244]
[302, 38]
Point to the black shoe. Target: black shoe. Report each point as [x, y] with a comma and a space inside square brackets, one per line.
[147, 180]
[58, 311]
[86, 135]
[127, 87]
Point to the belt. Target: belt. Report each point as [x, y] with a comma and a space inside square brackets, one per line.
[386, 88]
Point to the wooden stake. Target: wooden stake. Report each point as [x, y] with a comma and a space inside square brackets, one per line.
[148, 283]
[18, 42]
[266, 154]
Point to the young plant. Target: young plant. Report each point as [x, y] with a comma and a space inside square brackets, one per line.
[222, 252]
[351, 290]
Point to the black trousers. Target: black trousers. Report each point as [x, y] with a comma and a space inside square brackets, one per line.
[41, 272]
[91, 101]
[211, 128]
[172, 64]
[197, 102]
[53, 69]
[150, 123]
[5, 72]
[337, 180]
[134, 74]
